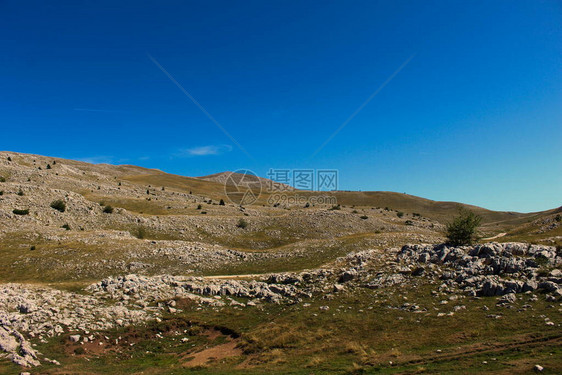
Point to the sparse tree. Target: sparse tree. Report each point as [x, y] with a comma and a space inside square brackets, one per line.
[58, 205]
[462, 230]
[242, 224]
[48, 166]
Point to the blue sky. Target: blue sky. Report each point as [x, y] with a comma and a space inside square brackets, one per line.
[475, 116]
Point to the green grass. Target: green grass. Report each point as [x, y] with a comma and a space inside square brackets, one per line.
[299, 340]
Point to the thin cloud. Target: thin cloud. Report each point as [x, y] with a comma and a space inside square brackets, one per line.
[101, 159]
[205, 150]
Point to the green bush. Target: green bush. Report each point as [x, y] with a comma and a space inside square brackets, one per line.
[48, 166]
[558, 218]
[2, 179]
[364, 217]
[221, 203]
[9, 158]
[400, 214]
[199, 207]
[336, 207]
[409, 222]
[1, 192]
[66, 226]
[108, 210]
[242, 224]
[58, 205]
[21, 212]
[462, 230]
[20, 193]
[32, 247]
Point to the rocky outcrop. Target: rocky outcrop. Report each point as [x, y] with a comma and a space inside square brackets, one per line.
[492, 269]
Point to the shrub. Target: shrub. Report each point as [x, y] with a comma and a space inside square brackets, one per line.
[20, 193]
[140, 233]
[2, 179]
[462, 230]
[203, 212]
[336, 207]
[66, 226]
[558, 218]
[1, 192]
[21, 212]
[400, 214]
[354, 212]
[221, 203]
[32, 247]
[199, 207]
[9, 158]
[58, 205]
[54, 162]
[48, 166]
[409, 222]
[108, 210]
[364, 217]
[242, 224]
[79, 350]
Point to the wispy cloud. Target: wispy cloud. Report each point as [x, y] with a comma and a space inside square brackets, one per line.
[100, 159]
[204, 150]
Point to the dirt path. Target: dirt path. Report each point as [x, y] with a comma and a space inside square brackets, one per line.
[228, 349]
[246, 276]
[493, 238]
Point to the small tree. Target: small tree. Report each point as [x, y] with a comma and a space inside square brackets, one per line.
[242, 224]
[462, 230]
[108, 210]
[221, 202]
[58, 205]
[48, 166]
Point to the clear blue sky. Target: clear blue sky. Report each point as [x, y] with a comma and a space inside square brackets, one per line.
[475, 116]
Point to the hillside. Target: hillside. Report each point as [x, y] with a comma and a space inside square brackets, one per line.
[117, 269]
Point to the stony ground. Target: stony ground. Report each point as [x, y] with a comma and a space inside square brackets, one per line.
[168, 279]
